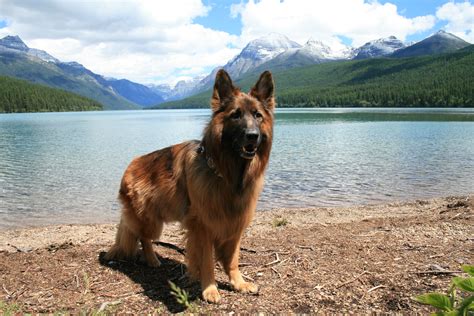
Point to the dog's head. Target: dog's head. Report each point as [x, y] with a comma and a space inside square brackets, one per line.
[245, 120]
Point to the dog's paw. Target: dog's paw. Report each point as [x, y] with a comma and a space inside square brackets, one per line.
[246, 287]
[153, 262]
[150, 260]
[211, 294]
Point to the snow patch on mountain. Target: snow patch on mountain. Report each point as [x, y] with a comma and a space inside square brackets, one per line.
[379, 47]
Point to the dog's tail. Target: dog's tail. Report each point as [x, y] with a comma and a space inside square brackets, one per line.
[126, 244]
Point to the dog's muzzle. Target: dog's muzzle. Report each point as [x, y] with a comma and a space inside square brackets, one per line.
[251, 143]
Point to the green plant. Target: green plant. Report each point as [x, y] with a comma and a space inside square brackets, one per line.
[279, 221]
[9, 308]
[181, 295]
[452, 304]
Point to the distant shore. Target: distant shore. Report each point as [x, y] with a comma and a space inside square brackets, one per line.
[360, 259]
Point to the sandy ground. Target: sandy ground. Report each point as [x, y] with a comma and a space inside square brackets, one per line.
[352, 260]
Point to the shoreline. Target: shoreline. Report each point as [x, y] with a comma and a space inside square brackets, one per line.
[360, 259]
[301, 216]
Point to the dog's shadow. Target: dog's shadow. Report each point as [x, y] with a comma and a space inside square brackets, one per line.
[154, 281]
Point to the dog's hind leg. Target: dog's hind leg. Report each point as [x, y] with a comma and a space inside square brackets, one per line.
[125, 246]
[149, 254]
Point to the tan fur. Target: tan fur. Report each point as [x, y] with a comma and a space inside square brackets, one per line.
[212, 193]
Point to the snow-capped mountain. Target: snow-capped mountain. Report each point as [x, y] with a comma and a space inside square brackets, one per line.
[14, 43]
[379, 47]
[180, 90]
[440, 42]
[255, 53]
[318, 52]
[259, 51]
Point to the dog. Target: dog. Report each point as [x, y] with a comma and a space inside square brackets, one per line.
[210, 186]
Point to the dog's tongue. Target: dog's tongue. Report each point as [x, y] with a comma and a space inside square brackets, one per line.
[249, 148]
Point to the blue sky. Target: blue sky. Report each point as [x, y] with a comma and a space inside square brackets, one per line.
[157, 41]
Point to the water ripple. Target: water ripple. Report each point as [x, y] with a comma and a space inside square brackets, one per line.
[66, 167]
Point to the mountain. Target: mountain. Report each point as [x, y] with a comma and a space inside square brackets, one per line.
[312, 52]
[19, 64]
[14, 43]
[255, 53]
[43, 68]
[440, 42]
[135, 92]
[379, 47]
[441, 80]
[23, 96]
[276, 52]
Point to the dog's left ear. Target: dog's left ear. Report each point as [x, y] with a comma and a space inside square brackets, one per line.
[263, 90]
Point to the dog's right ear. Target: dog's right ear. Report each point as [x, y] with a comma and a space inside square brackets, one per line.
[223, 90]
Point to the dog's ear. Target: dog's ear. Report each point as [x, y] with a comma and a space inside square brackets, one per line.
[263, 90]
[223, 90]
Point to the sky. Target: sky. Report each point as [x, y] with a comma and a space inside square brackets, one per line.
[162, 41]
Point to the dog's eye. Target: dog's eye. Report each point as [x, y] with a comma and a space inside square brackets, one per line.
[235, 115]
[258, 115]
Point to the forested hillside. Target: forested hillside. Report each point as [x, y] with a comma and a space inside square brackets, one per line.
[22, 96]
[437, 81]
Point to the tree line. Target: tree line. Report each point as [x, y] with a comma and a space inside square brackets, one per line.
[22, 96]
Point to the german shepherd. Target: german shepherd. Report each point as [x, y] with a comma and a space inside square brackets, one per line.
[210, 186]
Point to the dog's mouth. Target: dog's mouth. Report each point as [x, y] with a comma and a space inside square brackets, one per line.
[248, 151]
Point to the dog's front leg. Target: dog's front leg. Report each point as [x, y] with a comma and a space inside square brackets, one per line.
[199, 251]
[208, 282]
[228, 254]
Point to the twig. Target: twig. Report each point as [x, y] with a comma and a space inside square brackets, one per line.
[104, 305]
[6, 291]
[376, 287]
[438, 272]
[437, 256]
[322, 224]
[248, 278]
[352, 280]
[451, 218]
[248, 250]
[275, 270]
[306, 247]
[244, 264]
[170, 246]
[274, 261]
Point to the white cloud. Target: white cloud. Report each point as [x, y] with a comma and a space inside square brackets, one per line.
[140, 40]
[460, 18]
[357, 20]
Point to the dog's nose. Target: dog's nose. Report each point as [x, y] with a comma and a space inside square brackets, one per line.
[252, 135]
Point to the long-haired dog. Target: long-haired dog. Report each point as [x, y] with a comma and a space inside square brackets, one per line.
[210, 186]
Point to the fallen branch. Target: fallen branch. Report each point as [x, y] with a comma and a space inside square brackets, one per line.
[352, 280]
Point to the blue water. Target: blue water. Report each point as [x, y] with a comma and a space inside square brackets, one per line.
[66, 167]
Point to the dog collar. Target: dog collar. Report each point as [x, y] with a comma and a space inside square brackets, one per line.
[210, 162]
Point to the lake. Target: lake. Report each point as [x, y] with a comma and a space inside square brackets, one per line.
[66, 167]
